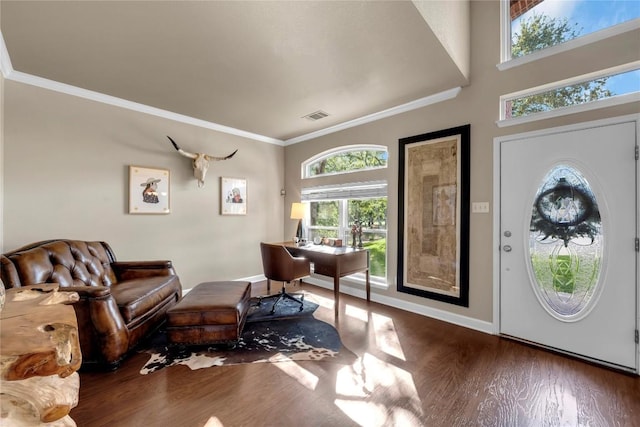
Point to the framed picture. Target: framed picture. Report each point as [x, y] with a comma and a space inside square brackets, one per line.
[148, 190]
[433, 215]
[233, 196]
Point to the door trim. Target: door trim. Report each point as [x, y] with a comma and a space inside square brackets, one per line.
[496, 209]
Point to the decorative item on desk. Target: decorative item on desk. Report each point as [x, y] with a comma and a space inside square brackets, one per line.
[356, 230]
[297, 212]
[330, 241]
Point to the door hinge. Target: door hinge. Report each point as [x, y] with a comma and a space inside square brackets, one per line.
[637, 245]
[637, 337]
[637, 153]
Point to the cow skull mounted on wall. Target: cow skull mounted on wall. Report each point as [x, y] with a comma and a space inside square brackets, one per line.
[200, 161]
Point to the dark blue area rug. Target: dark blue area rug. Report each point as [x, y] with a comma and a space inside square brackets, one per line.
[287, 335]
[285, 309]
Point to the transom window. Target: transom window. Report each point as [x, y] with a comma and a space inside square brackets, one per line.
[613, 86]
[530, 26]
[346, 159]
[534, 29]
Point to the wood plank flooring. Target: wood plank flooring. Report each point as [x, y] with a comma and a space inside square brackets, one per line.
[411, 371]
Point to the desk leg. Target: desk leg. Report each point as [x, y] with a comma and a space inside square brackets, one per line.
[336, 293]
[368, 286]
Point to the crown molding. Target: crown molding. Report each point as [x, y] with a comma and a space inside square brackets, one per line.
[5, 62]
[134, 106]
[409, 106]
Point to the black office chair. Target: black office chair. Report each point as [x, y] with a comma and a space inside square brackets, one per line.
[279, 265]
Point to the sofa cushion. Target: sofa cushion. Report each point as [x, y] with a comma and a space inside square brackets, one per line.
[137, 297]
[68, 263]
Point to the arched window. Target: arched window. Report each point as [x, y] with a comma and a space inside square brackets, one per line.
[345, 159]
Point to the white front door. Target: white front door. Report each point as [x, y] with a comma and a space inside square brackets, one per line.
[568, 241]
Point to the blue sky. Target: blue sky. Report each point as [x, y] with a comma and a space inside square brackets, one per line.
[591, 16]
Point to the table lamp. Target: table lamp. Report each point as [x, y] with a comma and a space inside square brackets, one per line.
[297, 212]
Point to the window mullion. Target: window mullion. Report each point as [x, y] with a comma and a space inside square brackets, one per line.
[344, 217]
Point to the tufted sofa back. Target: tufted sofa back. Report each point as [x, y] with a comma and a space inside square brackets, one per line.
[67, 262]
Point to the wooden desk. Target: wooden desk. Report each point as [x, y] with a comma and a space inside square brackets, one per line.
[334, 262]
[39, 357]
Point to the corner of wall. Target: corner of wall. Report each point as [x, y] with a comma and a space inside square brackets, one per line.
[451, 24]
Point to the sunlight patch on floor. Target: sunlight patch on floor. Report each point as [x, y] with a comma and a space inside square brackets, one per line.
[386, 336]
[320, 300]
[213, 422]
[356, 313]
[298, 373]
[362, 386]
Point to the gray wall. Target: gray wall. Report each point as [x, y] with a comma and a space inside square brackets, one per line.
[66, 163]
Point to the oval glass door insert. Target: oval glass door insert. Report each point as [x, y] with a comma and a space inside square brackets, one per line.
[565, 244]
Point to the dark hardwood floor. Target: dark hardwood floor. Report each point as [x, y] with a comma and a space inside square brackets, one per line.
[411, 371]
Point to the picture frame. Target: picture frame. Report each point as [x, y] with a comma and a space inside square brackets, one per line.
[433, 215]
[233, 196]
[149, 190]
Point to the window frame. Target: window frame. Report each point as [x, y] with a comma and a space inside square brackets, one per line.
[305, 165]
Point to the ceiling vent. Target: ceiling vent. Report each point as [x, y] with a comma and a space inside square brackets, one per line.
[317, 115]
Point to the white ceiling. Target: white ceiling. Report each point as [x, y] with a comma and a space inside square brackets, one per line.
[259, 67]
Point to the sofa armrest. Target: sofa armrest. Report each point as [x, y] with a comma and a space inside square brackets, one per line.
[88, 292]
[130, 270]
[103, 334]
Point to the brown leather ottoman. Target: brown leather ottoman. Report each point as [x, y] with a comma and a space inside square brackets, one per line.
[211, 313]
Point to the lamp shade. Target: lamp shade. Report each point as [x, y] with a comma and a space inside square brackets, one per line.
[297, 211]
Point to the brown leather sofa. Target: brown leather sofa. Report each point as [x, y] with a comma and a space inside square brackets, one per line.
[120, 302]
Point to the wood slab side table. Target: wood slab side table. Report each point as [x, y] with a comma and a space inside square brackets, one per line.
[39, 357]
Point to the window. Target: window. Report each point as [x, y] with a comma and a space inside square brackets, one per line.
[333, 211]
[566, 243]
[618, 84]
[534, 29]
[346, 159]
[533, 26]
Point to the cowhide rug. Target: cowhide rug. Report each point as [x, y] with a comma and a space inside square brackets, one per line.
[287, 335]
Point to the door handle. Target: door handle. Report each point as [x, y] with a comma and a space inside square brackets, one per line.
[507, 248]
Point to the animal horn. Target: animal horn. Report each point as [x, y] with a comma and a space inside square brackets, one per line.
[181, 151]
[221, 158]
